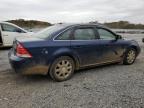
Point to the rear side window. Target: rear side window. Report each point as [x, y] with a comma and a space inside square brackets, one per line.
[84, 34]
[47, 32]
[64, 36]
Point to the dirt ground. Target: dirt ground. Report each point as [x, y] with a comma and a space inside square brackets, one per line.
[111, 86]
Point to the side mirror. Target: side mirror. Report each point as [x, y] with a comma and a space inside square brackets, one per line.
[118, 37]
[18, 30]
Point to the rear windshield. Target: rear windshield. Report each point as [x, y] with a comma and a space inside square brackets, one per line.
[47, 32]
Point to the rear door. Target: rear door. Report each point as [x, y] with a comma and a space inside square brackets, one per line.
[85, 45]
[10, 32]
[0, 36]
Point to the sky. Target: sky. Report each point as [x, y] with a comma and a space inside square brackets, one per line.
[72, 11]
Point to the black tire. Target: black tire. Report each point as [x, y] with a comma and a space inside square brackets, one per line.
[143, 40]
[126, 60]
[62, 68]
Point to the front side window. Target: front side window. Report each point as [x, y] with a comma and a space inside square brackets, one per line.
[84, 34]
[10, 28]
[105, 34]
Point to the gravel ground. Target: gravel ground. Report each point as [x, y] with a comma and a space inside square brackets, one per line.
[112, 86]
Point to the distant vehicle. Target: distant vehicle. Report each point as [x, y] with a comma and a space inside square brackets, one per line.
[63, 48]
[8, 32]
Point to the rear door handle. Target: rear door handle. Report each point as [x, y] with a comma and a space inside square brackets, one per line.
[108, 44]
[76, 46]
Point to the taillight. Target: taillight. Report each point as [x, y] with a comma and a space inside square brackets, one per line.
[22, 52]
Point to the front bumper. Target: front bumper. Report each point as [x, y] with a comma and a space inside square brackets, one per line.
[27, 66]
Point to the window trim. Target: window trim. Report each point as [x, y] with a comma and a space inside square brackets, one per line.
[106, 30]
[97, 36]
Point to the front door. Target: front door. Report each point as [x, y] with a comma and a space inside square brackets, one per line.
[0, 36]
[112, 49]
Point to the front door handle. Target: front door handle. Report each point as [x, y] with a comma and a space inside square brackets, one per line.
[5, 35]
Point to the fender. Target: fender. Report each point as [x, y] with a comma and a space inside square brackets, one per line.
[135, 45]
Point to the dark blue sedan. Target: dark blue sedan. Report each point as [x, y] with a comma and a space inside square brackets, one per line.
[61, 49]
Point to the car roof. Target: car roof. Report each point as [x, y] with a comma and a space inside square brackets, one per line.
[8, 23]
[84, 24]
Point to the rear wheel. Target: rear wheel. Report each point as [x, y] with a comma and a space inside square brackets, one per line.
[62, 68]
[130, 56]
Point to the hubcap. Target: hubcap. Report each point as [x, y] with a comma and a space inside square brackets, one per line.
[131, 56]
[63, 69]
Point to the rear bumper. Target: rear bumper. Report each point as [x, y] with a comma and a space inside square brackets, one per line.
[27, 66]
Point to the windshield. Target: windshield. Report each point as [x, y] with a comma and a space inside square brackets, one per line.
[46, 33]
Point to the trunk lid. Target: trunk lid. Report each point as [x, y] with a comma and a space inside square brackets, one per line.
[34, 45]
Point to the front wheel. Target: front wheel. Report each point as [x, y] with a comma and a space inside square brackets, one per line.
[62, 68]
[130, 56]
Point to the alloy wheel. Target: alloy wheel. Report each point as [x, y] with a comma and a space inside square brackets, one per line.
[63, 69]
[131, 56]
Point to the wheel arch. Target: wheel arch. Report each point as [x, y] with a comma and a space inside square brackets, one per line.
[65, 53]
[134, 47]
